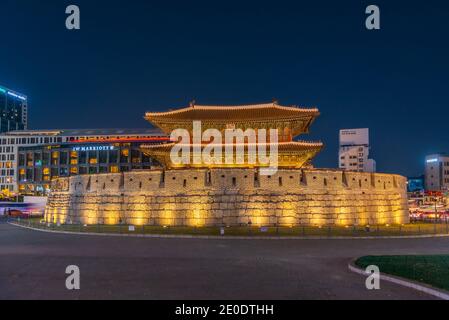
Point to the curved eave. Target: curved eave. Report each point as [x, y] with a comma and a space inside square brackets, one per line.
[291, 155]
[282, 146]
[204, 113]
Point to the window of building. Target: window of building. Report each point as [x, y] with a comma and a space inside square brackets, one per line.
[54, 172]
[29, 159]
[124, 156]
[55, 158]
[135, 156]
[82, 156]
[22, 174]
[113, 156]
[103, 157]
[114, 169]
[63, 172]
[63, 158]
[29, 174]
[93, 158]
[46, 158]
[73, 158]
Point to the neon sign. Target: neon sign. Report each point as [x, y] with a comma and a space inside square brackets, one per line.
[94, 148]
[432, 160]
[18, 96]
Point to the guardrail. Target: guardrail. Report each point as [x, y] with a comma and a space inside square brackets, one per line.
[413, 229]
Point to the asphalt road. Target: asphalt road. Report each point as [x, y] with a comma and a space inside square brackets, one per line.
[32, 266]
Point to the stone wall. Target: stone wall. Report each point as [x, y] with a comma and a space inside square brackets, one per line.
[230, 197]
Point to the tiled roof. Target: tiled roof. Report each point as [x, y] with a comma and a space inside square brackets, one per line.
[282, 146]
[250, 112]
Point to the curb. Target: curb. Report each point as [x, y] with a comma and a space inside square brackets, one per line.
[162, 236]
[439, 293]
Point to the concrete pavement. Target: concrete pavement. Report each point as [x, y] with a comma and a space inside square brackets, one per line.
[32, 266]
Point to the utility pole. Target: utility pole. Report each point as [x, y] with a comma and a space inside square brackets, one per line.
[436, 212]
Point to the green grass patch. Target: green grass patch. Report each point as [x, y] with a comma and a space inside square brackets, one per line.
[432, 270]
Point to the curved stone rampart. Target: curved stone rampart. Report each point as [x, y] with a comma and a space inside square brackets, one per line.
[230, 197]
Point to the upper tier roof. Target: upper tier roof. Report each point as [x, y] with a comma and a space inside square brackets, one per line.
[268, 111]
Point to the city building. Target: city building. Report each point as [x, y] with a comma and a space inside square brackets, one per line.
[39, 165]
[437, 172]
[220, 193]
[13, 110]
[415, 184]
[354, 151]
[13, 142]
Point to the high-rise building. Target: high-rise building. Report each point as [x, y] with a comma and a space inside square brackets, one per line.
[354, 151]
[437, 172]
[13, 110]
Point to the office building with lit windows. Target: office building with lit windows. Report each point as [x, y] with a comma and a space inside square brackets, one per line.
[30, 159]
[13, 110]
[437, 172]
[354, 151]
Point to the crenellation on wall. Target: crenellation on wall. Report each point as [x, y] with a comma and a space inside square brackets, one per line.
[230, 197]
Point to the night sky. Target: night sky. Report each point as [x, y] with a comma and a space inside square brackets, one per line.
[135, 56]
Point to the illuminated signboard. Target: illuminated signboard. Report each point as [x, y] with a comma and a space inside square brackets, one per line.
[93, 148]
[432, 160]
[15, 95]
